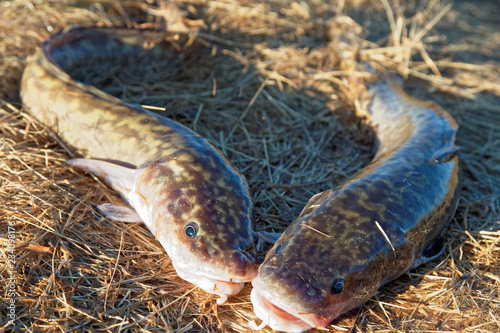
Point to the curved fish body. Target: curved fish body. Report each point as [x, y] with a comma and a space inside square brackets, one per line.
[191, 199]
[385, 220]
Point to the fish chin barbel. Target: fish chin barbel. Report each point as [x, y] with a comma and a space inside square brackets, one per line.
[181, 187]
[385, 220]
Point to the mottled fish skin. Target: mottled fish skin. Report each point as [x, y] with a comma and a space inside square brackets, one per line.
[180, 179]
[351, 240]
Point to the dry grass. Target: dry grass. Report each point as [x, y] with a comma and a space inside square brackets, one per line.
[280, 89]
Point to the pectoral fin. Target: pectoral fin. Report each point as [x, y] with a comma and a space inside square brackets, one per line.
[433, 251]
[118, 177]
[445, 154]
[119, 213]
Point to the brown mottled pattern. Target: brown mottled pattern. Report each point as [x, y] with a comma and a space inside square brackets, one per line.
[181, 163]
[404, 190]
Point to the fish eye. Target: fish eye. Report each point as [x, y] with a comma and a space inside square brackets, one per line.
[279, 247]
[337, 286]
[191, 229]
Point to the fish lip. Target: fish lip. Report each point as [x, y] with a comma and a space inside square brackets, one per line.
[282, 317]
[219, 284]
[214, 285]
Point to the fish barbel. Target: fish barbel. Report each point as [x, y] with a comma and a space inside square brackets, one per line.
[181, 187]
[385, 220]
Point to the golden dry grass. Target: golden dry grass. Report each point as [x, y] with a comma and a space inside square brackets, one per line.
[279, 87]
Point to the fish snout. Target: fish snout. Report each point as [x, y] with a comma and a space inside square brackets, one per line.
[245, 267]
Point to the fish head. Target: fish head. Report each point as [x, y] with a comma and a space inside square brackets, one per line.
[216, 252]
[301, 306]
[204, 221]
[296, 301]
[304, 282]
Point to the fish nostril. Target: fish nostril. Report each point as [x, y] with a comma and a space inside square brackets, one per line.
[250, 247]
[310, 290]
[244, 264]
[271, 267]
[248, 255]
[212, 252]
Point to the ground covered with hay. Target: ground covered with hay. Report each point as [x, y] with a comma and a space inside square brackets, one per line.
[279, 87]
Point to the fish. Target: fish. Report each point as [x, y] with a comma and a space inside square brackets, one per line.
[189, 196]
[385, 220]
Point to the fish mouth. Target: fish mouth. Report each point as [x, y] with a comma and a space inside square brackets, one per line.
[219, 283]
[281, 317]
[223, 289]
